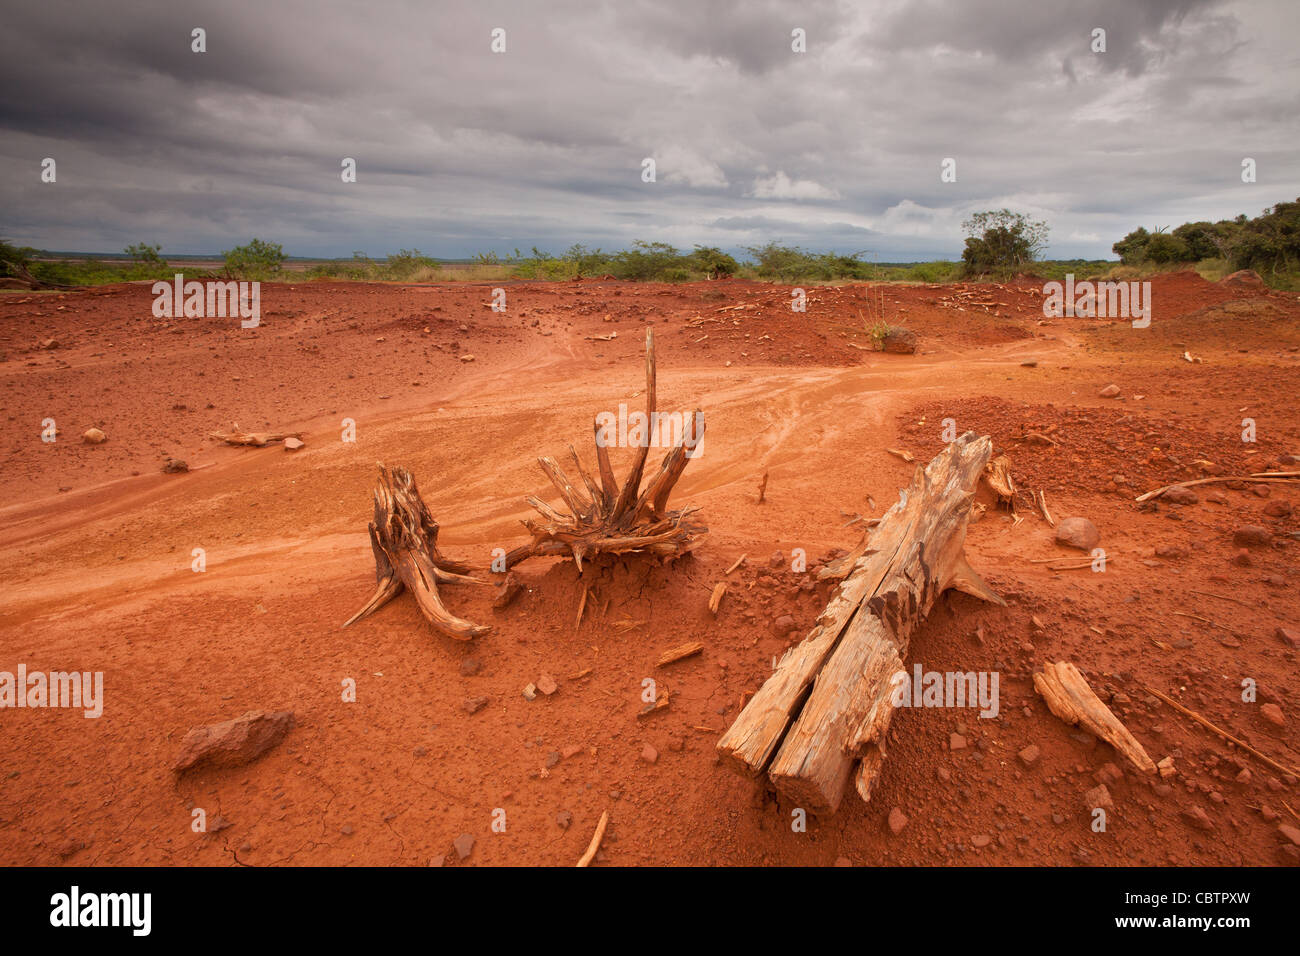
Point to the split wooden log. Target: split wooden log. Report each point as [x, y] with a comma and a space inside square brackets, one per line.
[603, 518]
[821, 718]
[1069, 697]
[404, 538]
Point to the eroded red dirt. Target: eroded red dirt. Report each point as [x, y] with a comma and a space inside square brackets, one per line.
[96, 547]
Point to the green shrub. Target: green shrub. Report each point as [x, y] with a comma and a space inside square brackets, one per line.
[258, 260]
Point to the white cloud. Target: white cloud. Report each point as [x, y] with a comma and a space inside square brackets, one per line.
[781, 186]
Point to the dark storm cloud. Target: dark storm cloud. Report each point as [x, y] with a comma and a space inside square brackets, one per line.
[461, 150]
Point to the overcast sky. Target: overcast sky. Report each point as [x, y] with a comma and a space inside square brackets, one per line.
[461, 150]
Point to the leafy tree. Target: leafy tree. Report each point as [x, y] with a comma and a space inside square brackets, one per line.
[1132, 248]
[1001, 241]
[1163, 247]
[713, 262]
[257, 260]
[143, 254]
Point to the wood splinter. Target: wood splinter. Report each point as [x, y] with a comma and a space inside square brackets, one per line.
[404, 538]
[1069, 697]
[595, 840]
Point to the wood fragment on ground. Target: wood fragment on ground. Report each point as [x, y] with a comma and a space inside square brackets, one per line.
[253, 439]
[715, 599]
[1070, 698]
[762, 489]
[679, 653]
[594, 846]
[1262, 477]
[1281, 768]
[905, 455]
[739, 561]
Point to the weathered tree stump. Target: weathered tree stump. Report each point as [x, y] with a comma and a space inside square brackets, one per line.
[821, 718]
[404, 538]
[607, 519]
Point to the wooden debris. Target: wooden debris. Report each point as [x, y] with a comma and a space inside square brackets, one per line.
[404, 539]
[820, 720]
[739, 561]
[1281, 768]
[762, 489]
[679, 653]
[1262, 477]
[1041, 499]
[1069, 697]
[253, 439]
[905, 455]
[997, 475]
[592, 847]
[604, 519]
[715, 599]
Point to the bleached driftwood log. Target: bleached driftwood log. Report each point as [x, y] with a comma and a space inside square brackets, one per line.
[1069, 697]
[820, 719]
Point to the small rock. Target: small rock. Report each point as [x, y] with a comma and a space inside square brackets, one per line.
[472, 705]
[1290, 832]
[93, 436]
[530, 692]
[470, 666]
[1110, 391]
[897, 820]
[175, 466]
[899, 341]
[1198, 818]
[293, 444]
[464, 845]
[233, 742]
[1288, 635]
[467, 357]
[649, 754]
[564, 819]
[776, 560]
[1273, 714]
[546, 685]
[507, 592]
[1029, 756]
[1178, 495]
[1252, 536]
[1278, 509]
[1098, 796]
[1077, 533]
[956, 742]
[783, 625]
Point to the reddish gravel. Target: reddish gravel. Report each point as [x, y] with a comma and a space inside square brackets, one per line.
[96, 546]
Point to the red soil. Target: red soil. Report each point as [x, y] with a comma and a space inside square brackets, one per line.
[96, 544]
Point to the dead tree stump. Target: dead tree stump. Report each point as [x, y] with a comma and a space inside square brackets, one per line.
[404, 538]
[607, 519]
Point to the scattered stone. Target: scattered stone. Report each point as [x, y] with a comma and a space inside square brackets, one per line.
[649, 754]
[1252, 536]
[564, 819]
[1098, 796]
[1179, 495]
[776, 560]
[1166, 767]
[470, 666]
[1077, 533]
[472, 705]
[1290, 832]
[552, 759]
[1029, 756]
[981, 840]
[508, 591]
[1242, 558]
[1110, 391]
[467, 357]
[956, 742]
[897, 820]
[233, 742]
[293, 444]
[464, 845]
[783, 625]
[530, 692]
[93, 436]
[1171, 552]
[899, 341]
[1288, 635]
[546, 685]
[1273, 714]
[1278, 509]
[346, 829]
[1198, 818]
